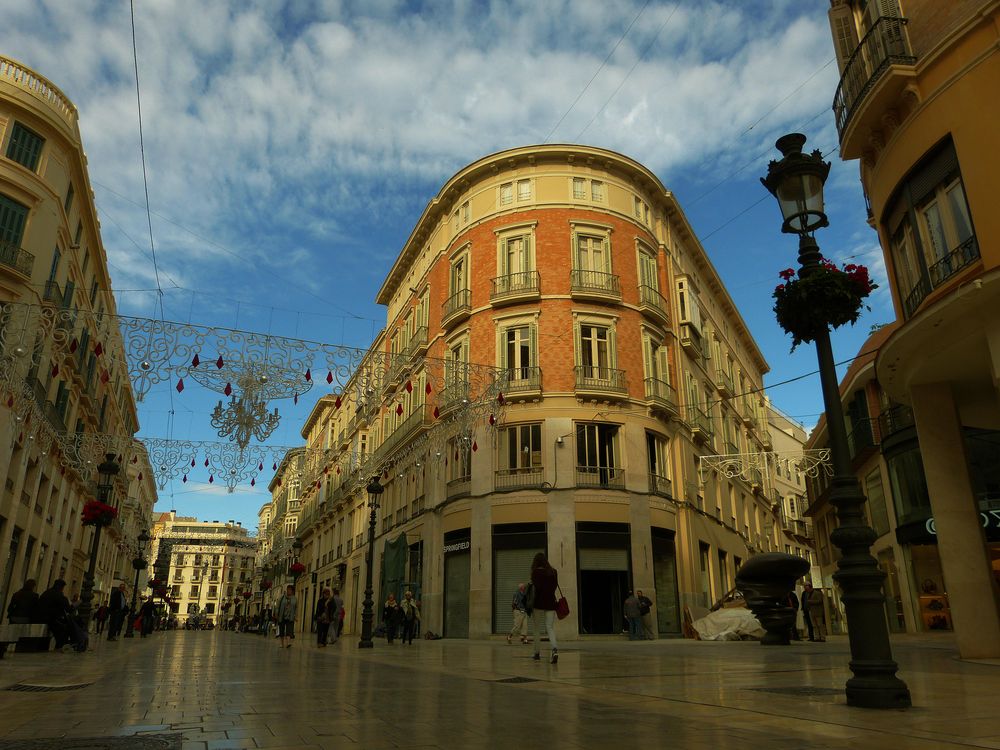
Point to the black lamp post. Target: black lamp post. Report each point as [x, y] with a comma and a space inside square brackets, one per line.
[138, 563]
[375, 490]
[797, 183]
[106, 473]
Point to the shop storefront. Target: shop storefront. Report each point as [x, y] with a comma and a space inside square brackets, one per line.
[457, 579]
[604, 575]
[668, 617]
[514, 547]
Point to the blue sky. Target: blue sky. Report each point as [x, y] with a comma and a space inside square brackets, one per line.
[291, 147]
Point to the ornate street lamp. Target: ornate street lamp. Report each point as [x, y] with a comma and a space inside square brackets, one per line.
[139, 563]
[375, 490]
[106, 473]
[797, 183]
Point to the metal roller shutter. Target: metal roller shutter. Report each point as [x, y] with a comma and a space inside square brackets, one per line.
[510, 567]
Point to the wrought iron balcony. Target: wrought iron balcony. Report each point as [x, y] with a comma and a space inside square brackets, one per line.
[660, 485]
[513, 479]
[895, 419]
[690, 339]
[454, 394]
[601, 381]
[609, 477]
[884, 45]
[652, 302]
[457, 307]
[701, 424]
[14, 257]
[514, 287]
[524, 380]
[862, 439]
[662, 395]
[962, 256]
[458, 487]
[724, 382]
[53, 293]
[418, 342]
[594, 284]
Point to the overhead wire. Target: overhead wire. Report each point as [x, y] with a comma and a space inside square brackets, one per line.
[597, 72]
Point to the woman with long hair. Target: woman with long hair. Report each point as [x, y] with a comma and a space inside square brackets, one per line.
[544, 582]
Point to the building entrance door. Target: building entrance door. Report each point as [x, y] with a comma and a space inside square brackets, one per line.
[457, 578]
[602, 593]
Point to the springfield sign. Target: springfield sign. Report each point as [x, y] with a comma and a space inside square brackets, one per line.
[458, 546]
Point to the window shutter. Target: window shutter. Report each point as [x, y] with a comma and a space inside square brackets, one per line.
[663, 366]
[577, 349]
[648, 363]
[504, 334]
[612, 349]
[12, 216]
[933, 172]
[607, 254]
[533, 344]
[575, 249]
[845, 34]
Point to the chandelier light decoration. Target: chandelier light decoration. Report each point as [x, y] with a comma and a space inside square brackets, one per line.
[747, 466]
[445, 400]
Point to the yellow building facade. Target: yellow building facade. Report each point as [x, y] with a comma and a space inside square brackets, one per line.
[52, 259]
[917, 106]
[573, 271]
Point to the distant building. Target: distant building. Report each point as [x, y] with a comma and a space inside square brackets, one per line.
[205, 567]
[917, 105]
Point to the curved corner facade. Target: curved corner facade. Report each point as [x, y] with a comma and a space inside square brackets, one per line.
[573, 269]
[917, 105]
[51, 256]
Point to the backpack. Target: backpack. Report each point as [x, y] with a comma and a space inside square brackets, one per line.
[529, 597]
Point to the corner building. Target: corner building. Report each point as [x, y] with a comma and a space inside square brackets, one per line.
[52, 260]
[917, 104]
[574, 269]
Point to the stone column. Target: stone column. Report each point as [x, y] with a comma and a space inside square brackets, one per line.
[972, 590]
[481, 569]
[562, 556]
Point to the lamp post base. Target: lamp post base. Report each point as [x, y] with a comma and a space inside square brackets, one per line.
[877, 691]
[129, 619]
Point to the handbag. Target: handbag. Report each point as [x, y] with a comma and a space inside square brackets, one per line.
[562, 606]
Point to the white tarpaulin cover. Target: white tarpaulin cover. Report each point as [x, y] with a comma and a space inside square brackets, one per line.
[728, 625]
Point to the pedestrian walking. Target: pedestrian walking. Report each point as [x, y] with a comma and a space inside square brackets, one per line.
[410, 616]
[324, 617]
[544, 582]
[519, 607]
[646, 614]
[54, 611]
[633, 615]
[793, 602]
[338, 607]
[147, 616]
[813, 612]
[101, 617]
[391, 617]
[23, 607]
[284, 615]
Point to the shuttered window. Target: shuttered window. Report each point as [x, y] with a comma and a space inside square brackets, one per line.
[24, 146]
[12, 218]
[510, 568]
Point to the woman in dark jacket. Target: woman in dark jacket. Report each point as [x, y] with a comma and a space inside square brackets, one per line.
[544, 582]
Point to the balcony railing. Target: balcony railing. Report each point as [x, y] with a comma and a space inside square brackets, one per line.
[14, 257]
[962, 256]
[650, 300]
[600, 476]
[690, 339]
[660, 485]
[521, 379]
[724, 382]
[418, 341]
[885, 44]
[524, 284]
[53, 293]
[895, 419]
[594, 282]
[39, 87]
[409, 427]
[458, 487]
[861, 438]
[594, 379]
[454, 393]
[457, 305]
[662, 394]
[512, 479]
[701, 423]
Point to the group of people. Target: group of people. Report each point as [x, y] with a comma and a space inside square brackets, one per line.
[811, 606]
[637, 609]
[401, 618]
[537, 601]
[61, 614]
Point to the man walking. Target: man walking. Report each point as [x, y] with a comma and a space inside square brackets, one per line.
[813, 612]
[519, 605]
[645, 609]
[633, 615]
[117, 608]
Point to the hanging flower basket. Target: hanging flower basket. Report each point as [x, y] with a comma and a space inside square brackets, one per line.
[96, 513]
[155, 583]
[296, 570]
[247, 594]
[266, 585]
[828, 297]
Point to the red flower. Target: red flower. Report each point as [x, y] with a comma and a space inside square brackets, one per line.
[787, 274]
[96, 513]
[297, 569]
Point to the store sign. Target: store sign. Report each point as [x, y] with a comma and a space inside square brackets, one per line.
[990, 520]
[457, 546]
[925, 532]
